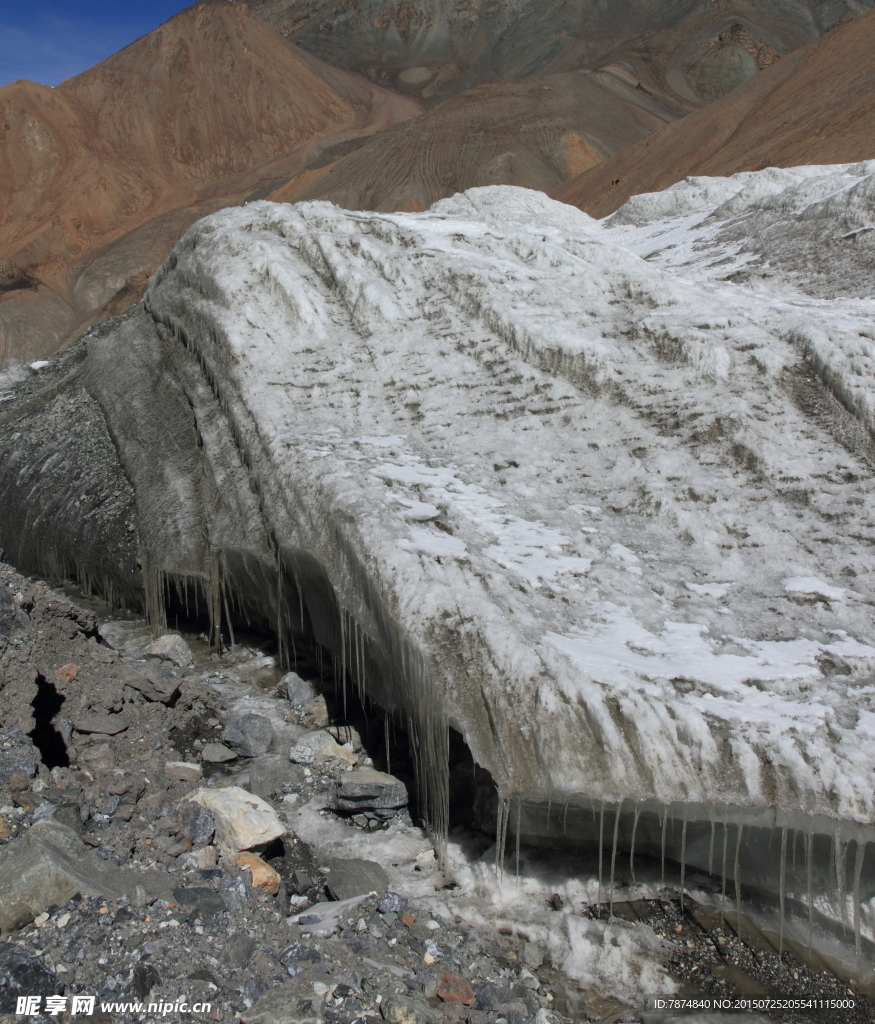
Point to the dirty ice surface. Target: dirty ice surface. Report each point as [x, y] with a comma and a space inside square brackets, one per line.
[622, 506]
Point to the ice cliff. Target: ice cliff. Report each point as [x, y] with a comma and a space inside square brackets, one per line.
[599, 495]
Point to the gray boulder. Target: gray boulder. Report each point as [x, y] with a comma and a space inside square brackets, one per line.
[23, 974]
[217, 753]
[269, 773]
[295, 689]
[48, 864]
[366, 789]
[249, 735]
[355, 877]
[170, 648]
[155, 682]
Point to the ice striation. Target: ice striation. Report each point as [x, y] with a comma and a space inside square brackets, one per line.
[598, 495]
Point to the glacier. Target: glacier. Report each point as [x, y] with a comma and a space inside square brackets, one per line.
[598, 495]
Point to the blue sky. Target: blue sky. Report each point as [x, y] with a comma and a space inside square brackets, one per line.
[49, 41]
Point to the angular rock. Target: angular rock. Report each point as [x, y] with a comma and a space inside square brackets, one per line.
[48, 864]
[315, 713]
[296, 690]
[355, 877]
[323, 919]
[66, 673]
[399, 1010]
[17, 754]
[319, 747]
[23, 974]
[237, 950]
[144, 978]
[391, 903]
[205, 902]
[170, 648]
[243, 821]
[217, 753]
[115, 635]
[268, 775]
[454, 989]
[13, 621]
[183, 771]
[103, 725]
[279, 1006]
[156, 684]
[366, 789]
[263, 875]
[249, 735]
[346, 734]
[197, 825]
[99, 756]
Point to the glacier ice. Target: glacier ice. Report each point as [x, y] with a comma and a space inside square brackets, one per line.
[596, 494]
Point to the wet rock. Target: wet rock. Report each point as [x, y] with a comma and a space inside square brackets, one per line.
[23, 974]
[104, 725]
[170, 648]
[197, 825]
[243, 821]
[157, 685]
[183, 771]
[366, 789]
[318, 748]
[217, 753]
[355, 877]
[47, 865]
[263, 875]
[249, 735]
[295, 689]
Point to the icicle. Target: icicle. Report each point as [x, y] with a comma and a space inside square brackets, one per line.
[723, 868]
[662, 855]
[388, 760]
[809, 856]
[601, 841]
[518, 814]
[614, 859]
[683, 856]
[782, 886]
[499, 831]
[841, 866]
[711, 846]
[632, 844]
[737, 873]
[858, 872]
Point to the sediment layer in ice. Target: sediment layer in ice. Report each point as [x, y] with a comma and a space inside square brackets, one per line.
[616, 514]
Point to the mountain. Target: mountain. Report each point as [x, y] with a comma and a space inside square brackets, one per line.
[534, 132]
[695, 50]
[103, 173]
[813, 107]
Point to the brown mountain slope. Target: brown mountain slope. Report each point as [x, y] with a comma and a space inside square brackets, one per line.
[204, 111]
[533, 132]
[814, 107]
[694, 50]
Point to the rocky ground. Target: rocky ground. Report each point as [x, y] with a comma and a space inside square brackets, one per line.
[189, 829]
